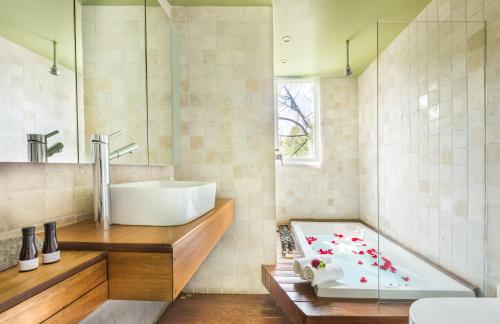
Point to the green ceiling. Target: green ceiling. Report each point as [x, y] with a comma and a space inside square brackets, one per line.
[220, 2]
[150, 3]
[319, 29]
[33, 23]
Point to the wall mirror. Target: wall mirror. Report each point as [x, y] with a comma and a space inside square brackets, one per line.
[70, 69]
[37, 81]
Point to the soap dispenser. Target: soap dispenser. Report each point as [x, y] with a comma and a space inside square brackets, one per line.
[28, 257]
[50, 250]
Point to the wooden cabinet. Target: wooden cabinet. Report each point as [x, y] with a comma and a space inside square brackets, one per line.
[83, 306]
[39, 295]
[152, 262]
[140, 276]
[127, 262]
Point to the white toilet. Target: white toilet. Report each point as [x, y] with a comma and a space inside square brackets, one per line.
[455, 311]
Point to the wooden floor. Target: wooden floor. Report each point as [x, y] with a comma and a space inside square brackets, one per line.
[224, 308]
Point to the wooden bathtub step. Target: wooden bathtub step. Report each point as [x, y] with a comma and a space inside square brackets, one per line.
[297, 299]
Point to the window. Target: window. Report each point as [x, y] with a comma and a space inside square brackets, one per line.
[297, 121]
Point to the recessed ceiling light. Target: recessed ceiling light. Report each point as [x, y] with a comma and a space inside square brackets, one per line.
[284, 61]
[286, 38]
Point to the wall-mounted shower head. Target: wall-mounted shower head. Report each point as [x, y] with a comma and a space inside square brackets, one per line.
[348, 70]
[53, 70]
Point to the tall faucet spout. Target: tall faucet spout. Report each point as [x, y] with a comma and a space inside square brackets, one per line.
[102, 199]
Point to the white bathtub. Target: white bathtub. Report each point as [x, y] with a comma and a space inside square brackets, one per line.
[409, 278]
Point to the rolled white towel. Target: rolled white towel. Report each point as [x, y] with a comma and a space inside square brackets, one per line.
[298, 264]
[317, 276]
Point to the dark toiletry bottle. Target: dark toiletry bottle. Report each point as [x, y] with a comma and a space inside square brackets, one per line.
[28, 258]
[50, 251]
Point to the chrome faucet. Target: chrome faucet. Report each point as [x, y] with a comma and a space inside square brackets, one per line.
[38, 152]
[278, 156]
[100, 170]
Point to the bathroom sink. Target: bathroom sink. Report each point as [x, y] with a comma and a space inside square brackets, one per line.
[160, 203]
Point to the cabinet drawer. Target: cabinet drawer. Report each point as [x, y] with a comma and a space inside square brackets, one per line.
[82, 307]
[45, 304]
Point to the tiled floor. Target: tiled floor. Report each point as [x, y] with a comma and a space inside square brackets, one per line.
[223, 308]
[126, 312]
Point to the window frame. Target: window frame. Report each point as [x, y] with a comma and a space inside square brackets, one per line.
[316, 161]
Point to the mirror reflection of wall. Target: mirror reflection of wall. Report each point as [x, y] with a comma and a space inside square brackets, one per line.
[37, 81]
[114, 89]
[159, 86]
[116, 94]
[121, 52]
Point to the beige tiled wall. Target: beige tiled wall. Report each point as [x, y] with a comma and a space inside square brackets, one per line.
[367, 124]
[492, 15]
[330, 190]
[31, 194]
[432, 139]
[228, 134]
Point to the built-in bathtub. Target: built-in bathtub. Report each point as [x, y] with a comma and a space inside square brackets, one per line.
[374, 267]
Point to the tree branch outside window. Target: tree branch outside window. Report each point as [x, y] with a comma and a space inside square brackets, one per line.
[296, 120]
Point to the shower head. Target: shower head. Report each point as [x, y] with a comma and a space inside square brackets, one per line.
[53, 70]
[348, 70]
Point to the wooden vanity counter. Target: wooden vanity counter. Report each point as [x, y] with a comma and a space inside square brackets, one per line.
[132, 238]
[151, 262]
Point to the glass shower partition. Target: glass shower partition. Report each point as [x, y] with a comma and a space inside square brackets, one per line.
[431, 158]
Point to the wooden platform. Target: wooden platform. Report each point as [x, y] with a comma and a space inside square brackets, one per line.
[297, 299]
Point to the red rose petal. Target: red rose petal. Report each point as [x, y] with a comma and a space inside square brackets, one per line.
[329, 251]
[374, 264]
[360, 262]
[311, 239]
[406, 278]
[363, 280]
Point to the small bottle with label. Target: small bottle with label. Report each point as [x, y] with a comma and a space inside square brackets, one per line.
[28, 258]
[50, 250]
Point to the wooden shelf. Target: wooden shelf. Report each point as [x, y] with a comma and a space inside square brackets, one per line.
[85, 236]
[16, 287]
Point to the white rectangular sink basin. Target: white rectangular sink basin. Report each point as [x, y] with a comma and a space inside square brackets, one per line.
[160, 203]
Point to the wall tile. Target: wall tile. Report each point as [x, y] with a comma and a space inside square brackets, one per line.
[227, 134]
[36, 193]
[431, 151]
[330, 190]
